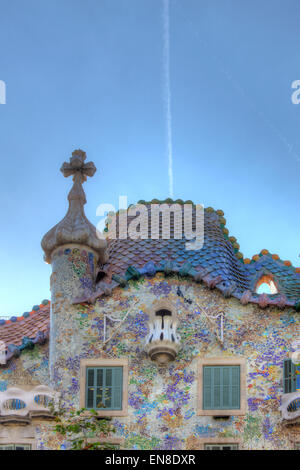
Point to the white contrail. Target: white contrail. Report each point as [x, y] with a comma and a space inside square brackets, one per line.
[167, 90]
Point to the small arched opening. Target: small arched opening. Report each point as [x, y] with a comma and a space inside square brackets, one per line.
[266, 285]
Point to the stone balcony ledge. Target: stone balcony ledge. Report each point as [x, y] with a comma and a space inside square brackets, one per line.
[290, 407]
[17, 404]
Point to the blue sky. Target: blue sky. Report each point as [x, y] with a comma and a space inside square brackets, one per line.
[90, 74]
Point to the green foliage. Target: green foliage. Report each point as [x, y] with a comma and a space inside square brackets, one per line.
[83, 429]
[253, 428]
[142, 443]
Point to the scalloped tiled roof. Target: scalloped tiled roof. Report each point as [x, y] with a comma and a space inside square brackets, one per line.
[219, 262]
[31, 325]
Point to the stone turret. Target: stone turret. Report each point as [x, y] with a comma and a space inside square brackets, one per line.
[75, 228]
[73, 249]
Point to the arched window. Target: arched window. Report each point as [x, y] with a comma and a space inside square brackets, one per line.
[266, 285]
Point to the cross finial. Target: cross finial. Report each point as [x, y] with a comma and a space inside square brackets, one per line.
[75, 227]
[77, 166]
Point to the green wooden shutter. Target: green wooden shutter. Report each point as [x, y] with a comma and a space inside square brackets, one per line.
[99, 375]
[235, 388]
[289, 376]
[108, 386]
[226, 391]
[217, 387]
[221, 387]
[104, 388]
[94, 397]
[89, 389]
[207, 388]
[117, 388]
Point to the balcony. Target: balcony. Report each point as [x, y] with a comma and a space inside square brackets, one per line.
[21, 405]
[290, 407]
[162, 342]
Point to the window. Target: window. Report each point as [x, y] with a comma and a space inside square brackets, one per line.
[266, 285]
[104, 386]
[219, 443]
[15, 447]
[221, 447]
[222, 386]
[291, 376]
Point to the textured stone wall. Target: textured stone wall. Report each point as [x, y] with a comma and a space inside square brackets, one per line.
[163, 401]
[73, 271]
[30, 369]
[162, 411]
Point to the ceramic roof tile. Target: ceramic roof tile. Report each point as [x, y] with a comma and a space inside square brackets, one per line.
[14, 332]
[217, 256]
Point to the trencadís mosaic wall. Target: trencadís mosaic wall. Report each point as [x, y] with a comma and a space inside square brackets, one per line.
[163, 401]
[31, 368]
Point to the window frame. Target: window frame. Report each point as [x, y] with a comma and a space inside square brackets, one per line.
[222, 441]
[202, 442]
[11, 444]
[101, 362]
[289, 358]
[271, 283]
[19, 442]
[103, 387]
[223, 361]
[221, 445]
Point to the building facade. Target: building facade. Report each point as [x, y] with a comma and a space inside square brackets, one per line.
[177, 346]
